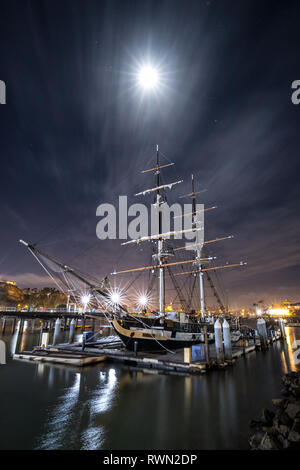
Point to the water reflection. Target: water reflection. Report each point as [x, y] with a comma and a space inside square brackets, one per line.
[104, 407]
[76, 417]
[23, 340]
[292, 335]
[92, 439]
[14, 340]
[101, 399]
[284, 362]
[59, 418]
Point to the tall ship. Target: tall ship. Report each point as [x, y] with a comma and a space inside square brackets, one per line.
[159, 329]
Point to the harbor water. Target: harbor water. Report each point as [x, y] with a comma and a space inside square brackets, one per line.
[108, 406]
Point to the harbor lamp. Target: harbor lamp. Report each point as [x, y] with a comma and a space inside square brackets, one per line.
[143, 301]
[115, 298]
[85, 299]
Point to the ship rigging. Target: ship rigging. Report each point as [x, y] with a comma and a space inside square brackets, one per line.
[160, 329]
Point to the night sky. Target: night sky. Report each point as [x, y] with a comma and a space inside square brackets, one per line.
[77, 130]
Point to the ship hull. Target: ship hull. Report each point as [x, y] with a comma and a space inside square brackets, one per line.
[146, 341]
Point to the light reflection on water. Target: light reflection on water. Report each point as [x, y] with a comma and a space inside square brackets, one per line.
[101, 402]
[60, 416]
[77, 402]
[102, 406]
[292, 334]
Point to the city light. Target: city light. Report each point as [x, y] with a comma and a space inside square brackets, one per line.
[148, 77]
[279, 311]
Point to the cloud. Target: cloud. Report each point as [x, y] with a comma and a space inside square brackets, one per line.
[28, 280]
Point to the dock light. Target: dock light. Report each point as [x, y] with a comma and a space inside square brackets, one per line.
[143, 301]
[85, 299]
[148, 77]
[115, 298]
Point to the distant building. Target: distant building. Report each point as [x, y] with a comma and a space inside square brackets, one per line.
[8, 283]
[296, 306]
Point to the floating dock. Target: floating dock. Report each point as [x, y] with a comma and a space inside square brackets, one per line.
[107, 350]
[60, 357]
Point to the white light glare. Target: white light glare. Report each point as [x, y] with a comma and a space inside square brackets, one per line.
[148, 77]
[143, 300]
[115, 298]
[85, 299]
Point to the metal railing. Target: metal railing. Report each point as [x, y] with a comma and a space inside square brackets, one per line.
[36, 309]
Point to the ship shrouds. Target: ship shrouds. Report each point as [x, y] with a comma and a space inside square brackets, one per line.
[160, 329]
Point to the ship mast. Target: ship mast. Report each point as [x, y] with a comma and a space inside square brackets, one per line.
[198, 251]
[159, 201]
[160, 244]
[161, 254]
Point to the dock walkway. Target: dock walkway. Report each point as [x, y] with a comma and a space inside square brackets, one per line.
[105, 351]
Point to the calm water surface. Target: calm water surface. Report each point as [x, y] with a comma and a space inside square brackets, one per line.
[108, 406]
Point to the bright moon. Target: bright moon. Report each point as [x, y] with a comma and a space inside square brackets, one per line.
[148, 77]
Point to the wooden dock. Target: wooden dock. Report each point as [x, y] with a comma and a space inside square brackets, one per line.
[59, 357]
[111, 351]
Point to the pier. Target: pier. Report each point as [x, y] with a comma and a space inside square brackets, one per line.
[46, 314]
[196, 360]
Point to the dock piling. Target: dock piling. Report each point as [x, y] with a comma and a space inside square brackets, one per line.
[3, 325]
[206, 345]
[219, 342]
[41, 331]
[227, 340]
[262, 331]
[282, 328]
[72, 331]
[56, 330]
[45, 339]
